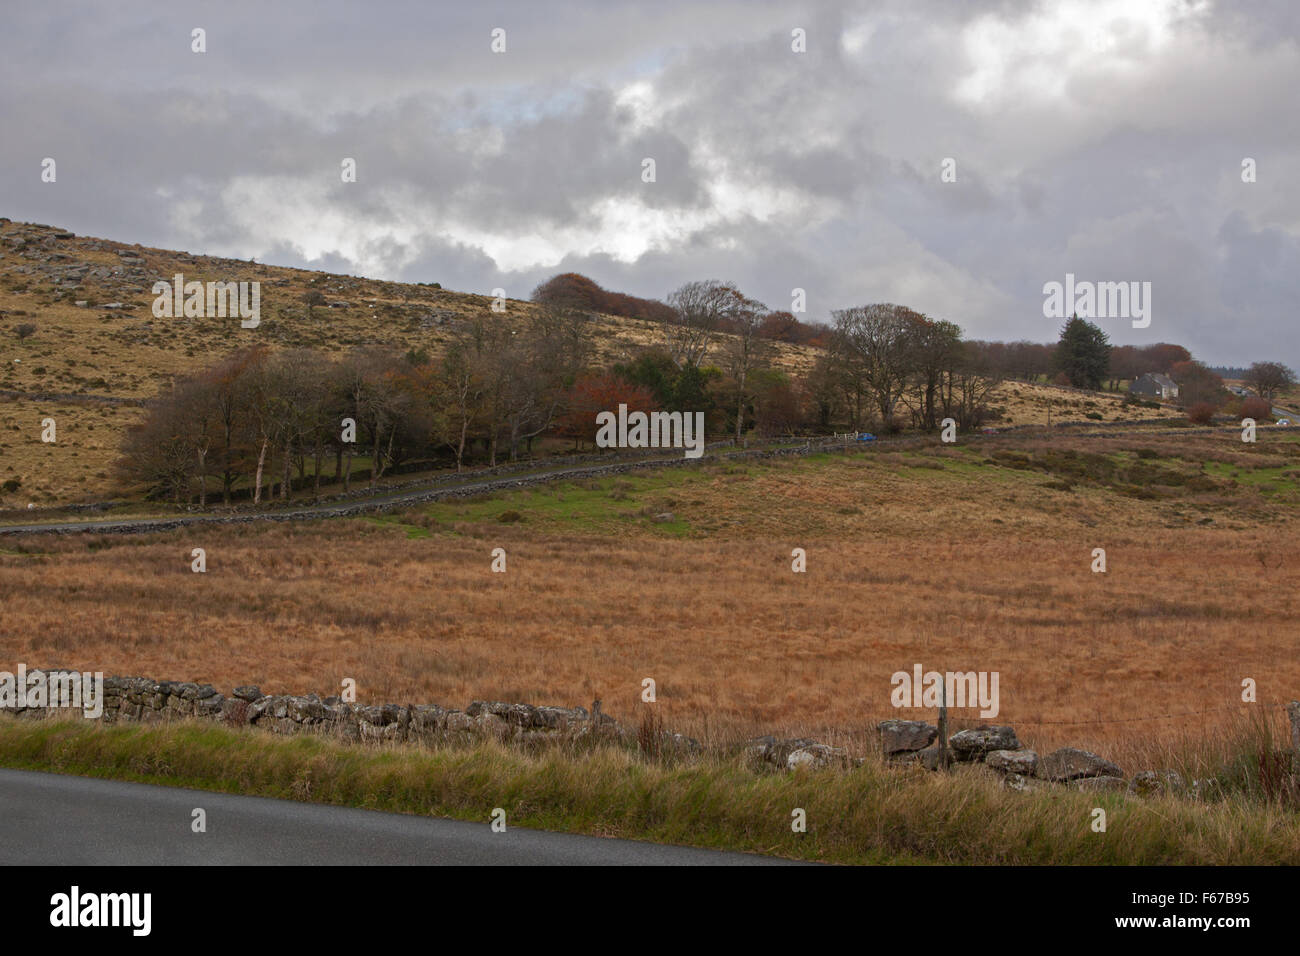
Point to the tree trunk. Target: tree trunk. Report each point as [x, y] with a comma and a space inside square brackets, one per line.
[316, 474]
[374, 458]
[460, 448]
[740, 409]
[388, 453]
[347, 475]
[203, 481]
[257, 484]
[288, 471]
[227, 479]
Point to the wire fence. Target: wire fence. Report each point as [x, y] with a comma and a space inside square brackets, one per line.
[1281, 705]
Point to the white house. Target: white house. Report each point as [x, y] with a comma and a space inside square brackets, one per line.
[1156, 385]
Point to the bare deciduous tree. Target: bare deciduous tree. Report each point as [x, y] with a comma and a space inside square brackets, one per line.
[745, 350]
[1269, 378]
[873, 352]
[699, 310]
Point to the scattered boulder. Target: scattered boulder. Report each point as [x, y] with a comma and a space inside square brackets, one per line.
[782, 749]
[756, 751]
[1146, 783]
[816, 757]
[1021, 783]
[1097, 784]
[904, 736]
[1021, 763]
[927, 758]
[792, 754]
[1204, 789]
[679, 745]
[1070, 763]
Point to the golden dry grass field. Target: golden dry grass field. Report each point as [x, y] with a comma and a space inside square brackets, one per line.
[974, 557]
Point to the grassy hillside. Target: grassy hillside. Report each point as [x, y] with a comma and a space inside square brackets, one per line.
[97, 349]
[113, 345]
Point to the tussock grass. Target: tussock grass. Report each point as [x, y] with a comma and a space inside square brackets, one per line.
[976, 567]
[867, 815]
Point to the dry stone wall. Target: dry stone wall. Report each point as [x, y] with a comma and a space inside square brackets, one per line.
[902, 742]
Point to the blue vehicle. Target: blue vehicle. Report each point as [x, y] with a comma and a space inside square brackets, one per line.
[866, 436]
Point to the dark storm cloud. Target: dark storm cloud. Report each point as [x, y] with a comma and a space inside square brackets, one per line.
[1103, 139]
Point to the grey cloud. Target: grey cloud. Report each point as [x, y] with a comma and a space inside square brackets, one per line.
[830, 159]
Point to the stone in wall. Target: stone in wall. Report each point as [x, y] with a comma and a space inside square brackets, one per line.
[967, 745]
[1021, 762]
[1071, 763]
[905, 736]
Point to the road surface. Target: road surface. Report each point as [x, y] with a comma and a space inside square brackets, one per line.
[64, 820]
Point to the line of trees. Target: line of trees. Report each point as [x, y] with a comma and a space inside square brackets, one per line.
[265, 424]
[886, 364]
[1042, 361]
[1084, 357]
[571, 290]
[262, 423]
[257, 417]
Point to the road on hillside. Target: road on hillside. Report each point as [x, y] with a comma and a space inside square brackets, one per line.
[378, 502]
[52, 819]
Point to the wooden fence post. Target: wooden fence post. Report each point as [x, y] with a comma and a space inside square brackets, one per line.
[943, 727]
[1293, 711]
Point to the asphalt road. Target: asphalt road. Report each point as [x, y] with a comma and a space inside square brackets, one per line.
[52, 819]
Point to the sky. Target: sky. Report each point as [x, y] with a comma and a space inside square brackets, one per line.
[1102, 139]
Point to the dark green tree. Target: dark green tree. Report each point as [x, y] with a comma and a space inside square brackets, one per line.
[1083, 354]
[655, 370]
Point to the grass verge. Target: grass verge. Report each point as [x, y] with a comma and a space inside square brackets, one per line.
[872, 814]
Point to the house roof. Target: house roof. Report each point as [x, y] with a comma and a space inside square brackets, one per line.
[1164, 381]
